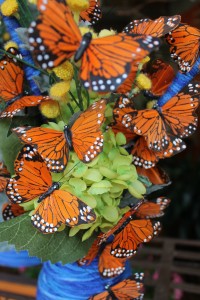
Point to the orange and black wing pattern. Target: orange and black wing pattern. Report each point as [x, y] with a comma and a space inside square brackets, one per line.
[110, 266]
[184, 44]
[93, 14]
[86, 133]
[11, 210]
[161, 75]
[127, 289]
[150, 209]
[157, 28]
[56, 207]
[4, 176]
[50, 143]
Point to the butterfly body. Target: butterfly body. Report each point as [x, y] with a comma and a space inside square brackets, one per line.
[68, 136]
[85, 42]
[53, 187]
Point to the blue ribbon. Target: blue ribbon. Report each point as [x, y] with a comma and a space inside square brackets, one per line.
[179, 82]
[72, 282]
[11, 24]
[15, 259]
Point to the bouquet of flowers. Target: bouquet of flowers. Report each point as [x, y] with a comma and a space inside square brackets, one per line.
[85, 118]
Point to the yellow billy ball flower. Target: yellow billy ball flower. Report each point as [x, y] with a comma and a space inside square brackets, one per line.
[145, 60]
[59, 90]
[65, 71]
[50, 109]
[85, 30]
[10, 44]
[143, 82]
[6, 37]
[106, 32]
[9, 7]
[78, 5]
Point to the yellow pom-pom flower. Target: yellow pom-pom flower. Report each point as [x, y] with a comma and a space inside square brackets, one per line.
[50, 109]
[145, 60]
[106, 32]
[143, 82]
[65, 71]
[10, 44]
[85, 30]
[9, 7]
[78, 5]
[59, 90]
[6, 36]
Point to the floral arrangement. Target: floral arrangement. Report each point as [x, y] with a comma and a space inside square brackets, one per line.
[81, 163]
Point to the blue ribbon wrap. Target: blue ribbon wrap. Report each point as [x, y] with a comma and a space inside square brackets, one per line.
[74, 282]
[179, 82]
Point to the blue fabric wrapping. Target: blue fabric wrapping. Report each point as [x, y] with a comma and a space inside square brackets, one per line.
[15, 259]
[11, 24]
[72, 282]
[9, 257]
[179, 82]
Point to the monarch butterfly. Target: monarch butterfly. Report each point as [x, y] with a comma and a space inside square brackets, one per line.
[11, 86]
[108, 265]
[93, 13]
[161, 75]
[11, 210]
[4, 176]
[55, 37]
[129, 233]
[84, 136]
[184, 44]
[155, 175]
[160, 124]
[56, 207]
[127, 289]
[147, 158]
[157, 28]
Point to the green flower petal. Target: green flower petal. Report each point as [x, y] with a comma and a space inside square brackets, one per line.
[120, 139]
[110, 213]
[100, 187]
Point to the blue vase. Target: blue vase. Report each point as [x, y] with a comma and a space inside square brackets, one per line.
[72, 282]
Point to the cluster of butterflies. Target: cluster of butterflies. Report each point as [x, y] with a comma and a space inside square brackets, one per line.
[108, 64]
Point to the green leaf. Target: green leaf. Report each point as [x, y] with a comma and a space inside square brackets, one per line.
[93, 175]
[54, 247]
[99, 188]
[9, 146]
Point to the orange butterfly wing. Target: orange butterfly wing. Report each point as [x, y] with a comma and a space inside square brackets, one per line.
[184, 46]
[122, 107]
[149, 124]
[127, 289]
[4, 176]
[90, 256]
[50, 143]
[110, 266]
[93, 14]
[155, 175]
[147, 158]
[149, 209]
[32, 177]
[55, 36]
[129, 236]
[101, 68]
[179, 111]
[17, 105]
[156, 28]
[161, 75]
[11, 211]
[87, 136]
[61, 207]
[126, 86]
[11, 76]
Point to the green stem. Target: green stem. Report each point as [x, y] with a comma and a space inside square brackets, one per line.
[24, 62]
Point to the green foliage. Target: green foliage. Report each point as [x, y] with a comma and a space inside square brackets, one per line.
[10, 145]
[58, 247]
